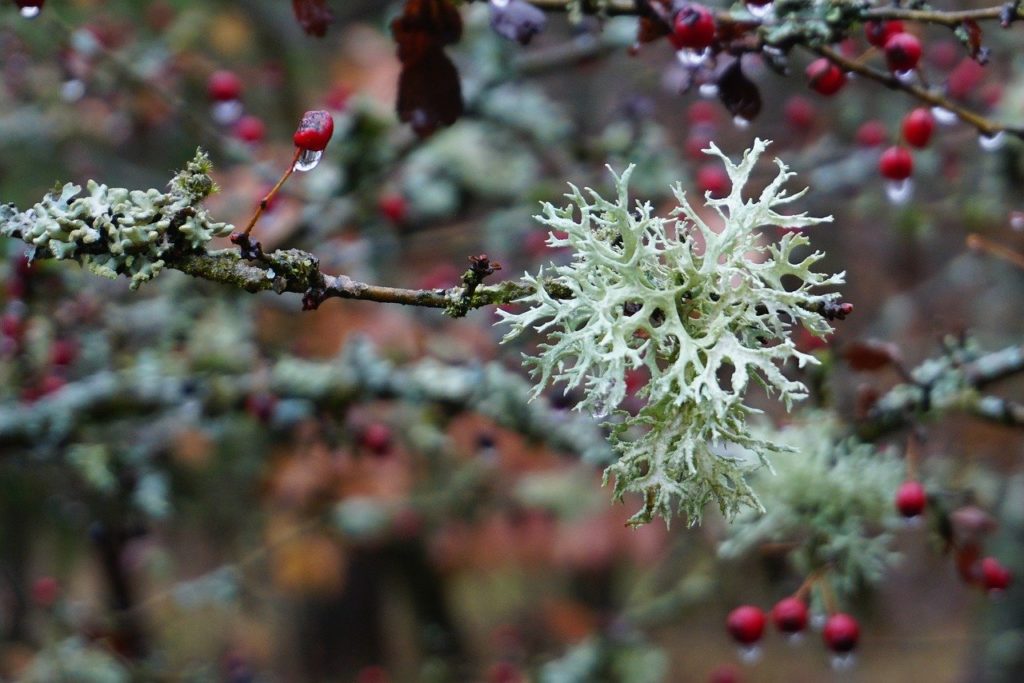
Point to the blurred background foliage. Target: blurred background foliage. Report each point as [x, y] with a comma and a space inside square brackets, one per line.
[205, 485]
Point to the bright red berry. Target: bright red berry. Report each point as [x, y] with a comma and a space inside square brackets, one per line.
[825, 77]
[871, 133]
[896, 163]
[746, 624]
[45, 591]
[224, 85]
[911, 498]
[790, 615]
[902, 51]
[393, 207]
[918, 127]
[250, 129]
[694, 28]
[878, 32]
[712, 178]
[314, 131]
[841, 633]
[800, 112]
[994, 576]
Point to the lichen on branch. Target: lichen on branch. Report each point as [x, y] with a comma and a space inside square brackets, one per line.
[701, 310]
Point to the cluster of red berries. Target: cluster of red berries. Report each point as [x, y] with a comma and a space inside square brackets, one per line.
[746, 624]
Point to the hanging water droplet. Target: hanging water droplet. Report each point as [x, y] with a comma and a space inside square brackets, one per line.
[905, 77]
[1017, 220]
[226, 112]
[29, 12]
[308, 160]
[795, 639]
[843, 662]
[991, 143]
[72, 90]
[915, 522]
[688, 57]
[899, 191]
[741, 122]
[500, 3]
[944, 116]
[761, 11]
[750, 654]
[818, 620]
[708, 90]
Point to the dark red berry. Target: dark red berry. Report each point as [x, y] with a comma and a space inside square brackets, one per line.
[896, 163]
[800, 112]
[825, 77]
[250, 129]
[918, 127]
[878, 32]
[45, 591]
[377, 438]
[224, 85]
[712, 178]
[911, 498]
[790, 615]
[994, 576]
[746, 624]
[63, 352]
[871, 133]
[841, 633]
[693, 28]
[963, 79]
[393, 207]
[314, 131]
[902, 51]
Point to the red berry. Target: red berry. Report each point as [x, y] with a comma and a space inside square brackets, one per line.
[825, 77]
[726, 673]
[841, 633]
[314, 131]
[790, 615]
[377, 438]
[338, 97]
[871, 133]
[224, 85]
[911, 498]
[250, 129]
[694, 28]
[63, 352]
[45, 590]
[896, 164]
[695, 145]
[964, 78]
[944, 54]
[800, 112]
[878, 32]
[918, 126]
[393, 207]
[712, 178]
[994, 576]
[702, 112]
[902, 51]
[746, 624]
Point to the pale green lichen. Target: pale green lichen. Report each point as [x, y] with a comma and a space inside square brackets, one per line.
[831, 499]
[689, 304]
[115, 231]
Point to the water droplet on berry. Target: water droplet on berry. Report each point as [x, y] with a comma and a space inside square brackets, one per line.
[944, 116]
[708, 90]
[308, 160]
[991, 143]
[899, 191]
[690, 57]
[905, 77]
[29, 12]
[761, 11]
[1017, 220]
[750, 654]
[843, 662]
[72, 90]
[226, 112]
[741, 122]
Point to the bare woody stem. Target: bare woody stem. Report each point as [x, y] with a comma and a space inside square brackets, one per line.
[270, 195]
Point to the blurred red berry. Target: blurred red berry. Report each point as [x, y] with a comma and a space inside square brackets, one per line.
[372, 674]
[896, 163]
[746, 624]
[841, 633]
[902, 51]
[505, 672]
[314, 131]
[725, 673]
[712, 178]
[911, 498]
[800, 112]
[250, 129]
[45, 591]
[63, 352]
[964, 78]
[693, 28]
[695, 145]
[702, 112]
[918, 127]
[994, 576]
[871, 133]
[376, 438]
[393, 207]
[224, 85]
[790, 615]
[878, 32]
[943, 54]
[825, 77]
[338, 97]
